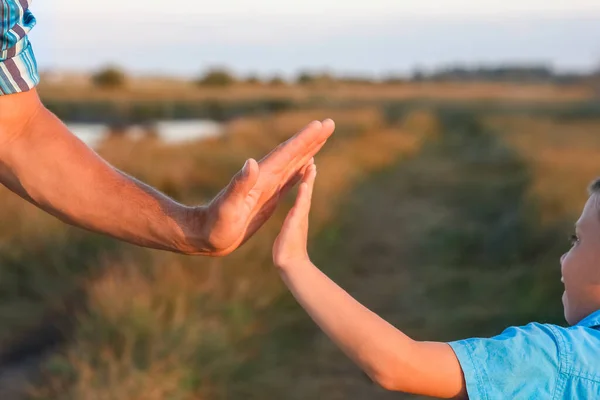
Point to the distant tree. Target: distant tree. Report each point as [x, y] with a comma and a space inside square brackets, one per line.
[253, 79]
[305, 78]
[323, 78]
[502, 73]
[110, 78]
[217, 77]
[418, 75]
[277, 81]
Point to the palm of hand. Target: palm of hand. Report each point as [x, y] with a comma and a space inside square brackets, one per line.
[290, 247]
[253, 194]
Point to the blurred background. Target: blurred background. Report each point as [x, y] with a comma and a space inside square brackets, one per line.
[467, 134]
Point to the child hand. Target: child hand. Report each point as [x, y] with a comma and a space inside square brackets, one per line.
[291, 245]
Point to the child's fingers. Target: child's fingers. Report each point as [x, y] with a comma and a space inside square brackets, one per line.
[310, 180]
[305, 192]
[296, 222]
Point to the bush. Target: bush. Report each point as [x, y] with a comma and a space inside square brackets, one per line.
[253, 80]
[217, 77]
[276, 81]
[305, 78]
[110, 78]
[318, 79]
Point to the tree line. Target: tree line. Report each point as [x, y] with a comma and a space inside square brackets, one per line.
[116, 77]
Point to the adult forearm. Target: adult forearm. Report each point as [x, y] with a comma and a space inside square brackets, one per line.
[47, 165]
[375, 345]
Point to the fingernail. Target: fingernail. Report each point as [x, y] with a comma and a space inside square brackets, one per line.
[245, 168]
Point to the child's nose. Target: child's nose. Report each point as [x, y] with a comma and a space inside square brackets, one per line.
[562, 258]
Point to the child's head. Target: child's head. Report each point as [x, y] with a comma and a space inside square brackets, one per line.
[581, 265]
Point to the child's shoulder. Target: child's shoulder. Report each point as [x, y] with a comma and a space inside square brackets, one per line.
[536, 360]
[578, 347]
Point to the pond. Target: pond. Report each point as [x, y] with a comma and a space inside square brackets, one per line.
[170, 132]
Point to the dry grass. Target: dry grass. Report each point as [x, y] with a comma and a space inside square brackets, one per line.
[154, 325]
[158, 325]
[494, 266]
[563, 160]
[450, 91]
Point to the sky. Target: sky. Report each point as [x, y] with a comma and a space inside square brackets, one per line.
[374, 37]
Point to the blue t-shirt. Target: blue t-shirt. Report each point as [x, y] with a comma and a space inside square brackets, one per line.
[18, 68]
[537, 361]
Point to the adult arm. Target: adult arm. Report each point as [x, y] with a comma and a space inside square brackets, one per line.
[44, 163]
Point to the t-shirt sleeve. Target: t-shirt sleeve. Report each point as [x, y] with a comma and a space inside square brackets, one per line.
[521, 363]
[18, 67]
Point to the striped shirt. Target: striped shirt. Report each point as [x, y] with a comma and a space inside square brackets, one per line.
[18, 68]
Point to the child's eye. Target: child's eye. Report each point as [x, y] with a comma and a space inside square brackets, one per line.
[574, 240]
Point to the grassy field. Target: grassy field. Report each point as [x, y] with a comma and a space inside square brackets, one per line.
[145, 101]
[447, 245]
[157, 89]
[146, 324]
[448, 221]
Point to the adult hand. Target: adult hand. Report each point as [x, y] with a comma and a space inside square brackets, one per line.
[253, 194]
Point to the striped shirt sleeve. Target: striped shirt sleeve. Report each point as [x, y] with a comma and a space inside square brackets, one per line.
[18, 68]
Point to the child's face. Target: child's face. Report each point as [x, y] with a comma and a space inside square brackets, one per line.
[581, 265]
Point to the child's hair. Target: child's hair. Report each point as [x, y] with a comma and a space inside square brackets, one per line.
[594, 187]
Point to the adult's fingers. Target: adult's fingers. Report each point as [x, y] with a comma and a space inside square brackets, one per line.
[242, 183]
[303, 159]
[296, 151]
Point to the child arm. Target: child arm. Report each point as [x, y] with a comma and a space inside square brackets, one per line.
[387, 355]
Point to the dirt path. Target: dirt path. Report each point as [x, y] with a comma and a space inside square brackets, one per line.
[440, 246]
